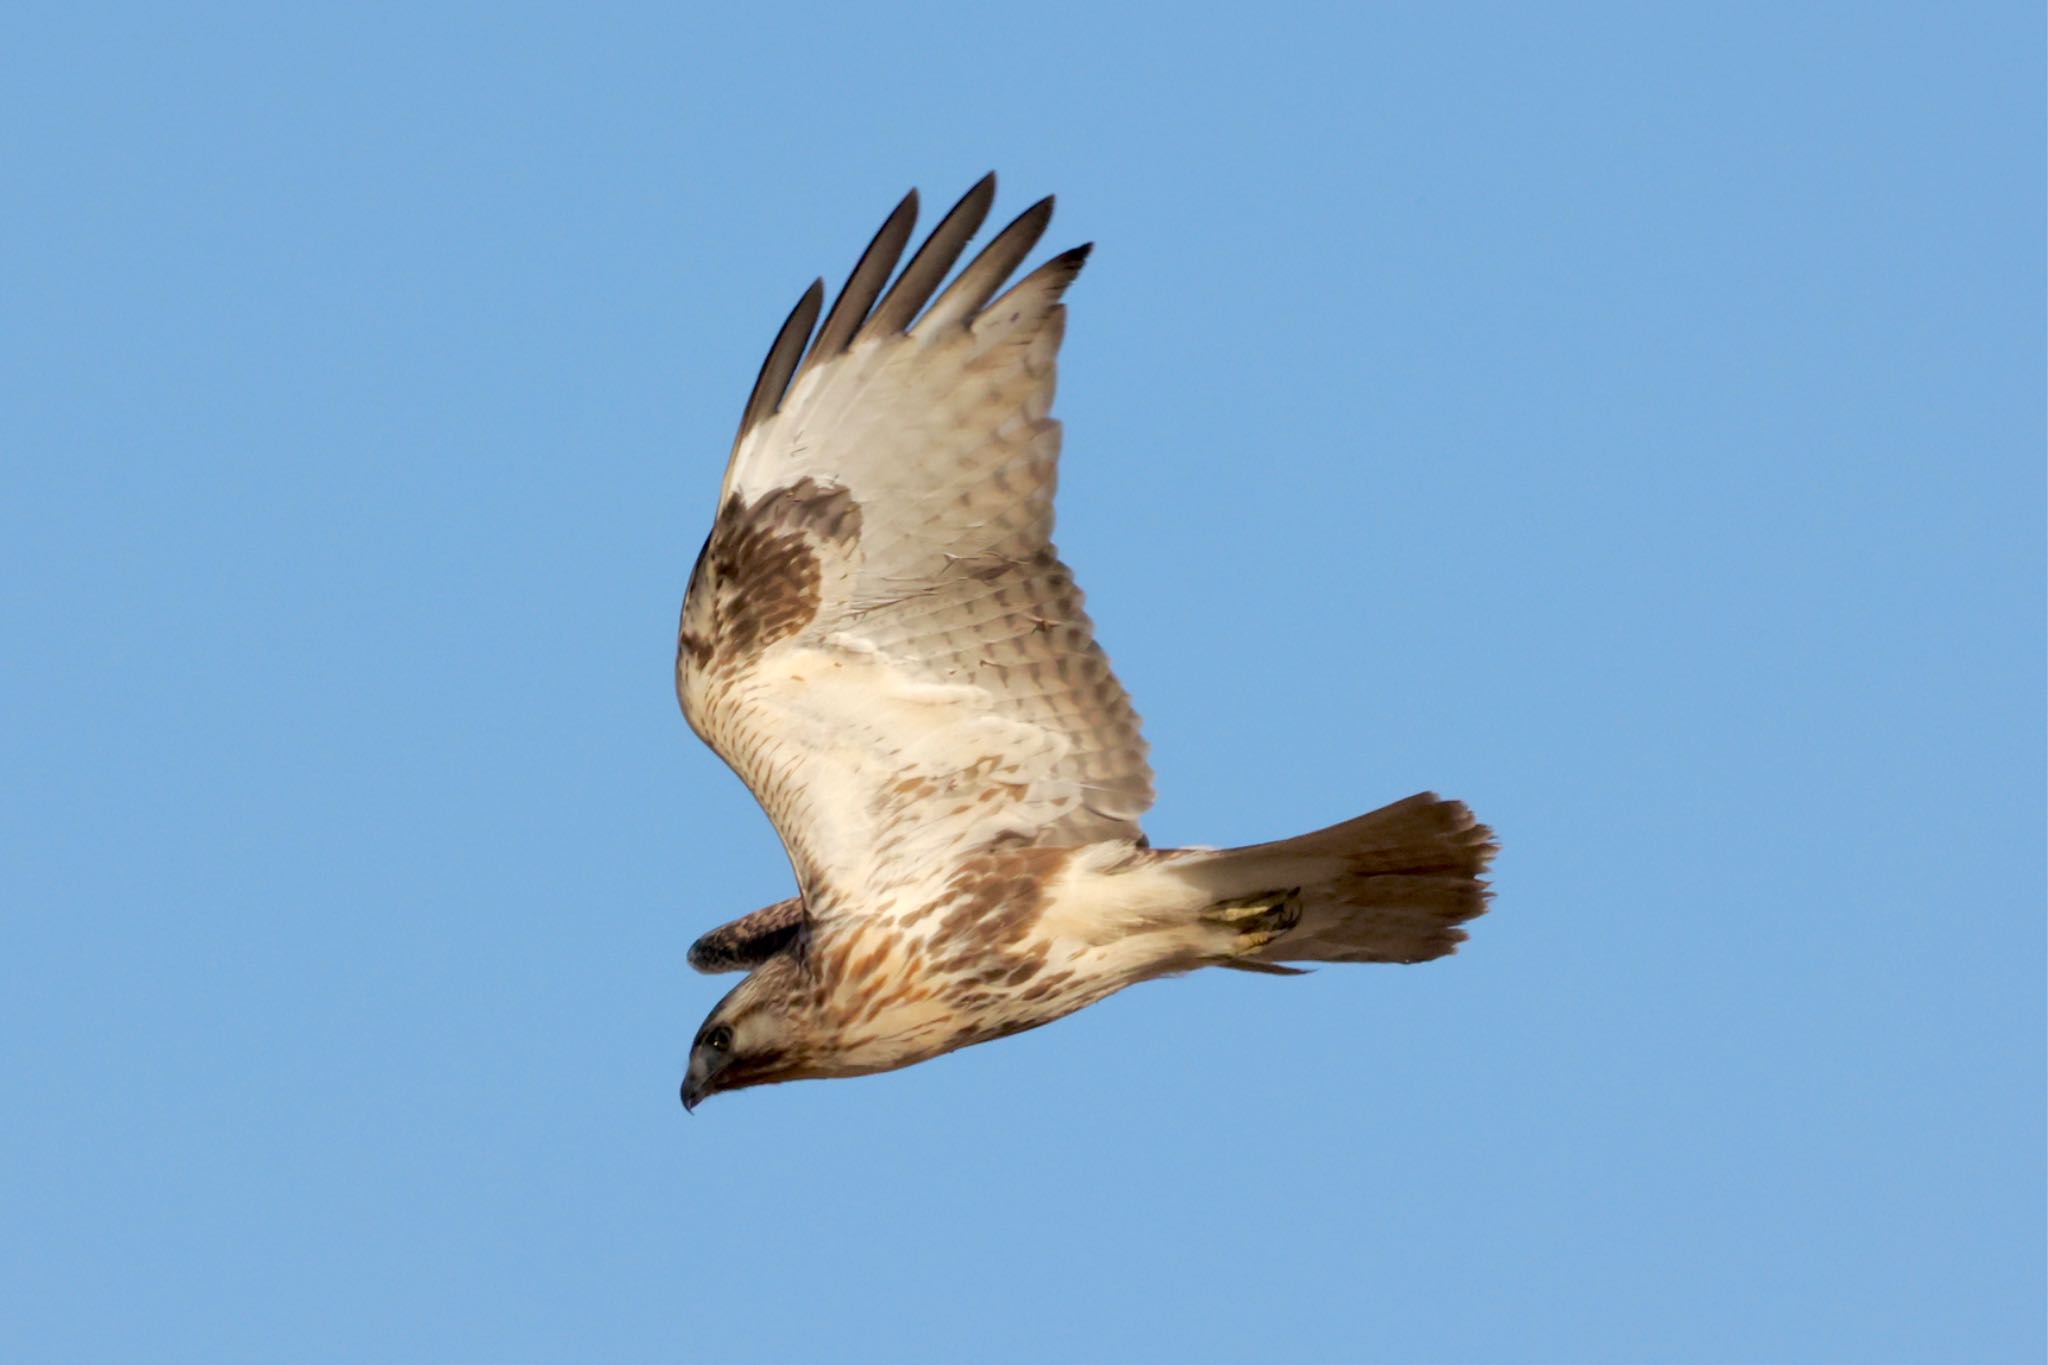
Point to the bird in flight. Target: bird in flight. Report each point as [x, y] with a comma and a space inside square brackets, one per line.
[881, 641]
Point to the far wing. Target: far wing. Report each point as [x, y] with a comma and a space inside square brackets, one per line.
[879, 636]
[750, 940]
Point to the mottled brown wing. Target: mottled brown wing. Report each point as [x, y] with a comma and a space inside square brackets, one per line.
[750, 940]
[880, 637]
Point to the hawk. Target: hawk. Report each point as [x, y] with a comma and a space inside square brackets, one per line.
[881, 641]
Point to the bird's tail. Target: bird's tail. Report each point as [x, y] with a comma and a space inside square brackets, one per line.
[1392, 886]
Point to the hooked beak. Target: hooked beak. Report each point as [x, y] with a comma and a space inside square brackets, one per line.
[698, 1080]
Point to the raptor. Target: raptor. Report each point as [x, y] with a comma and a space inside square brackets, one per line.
[881, 640]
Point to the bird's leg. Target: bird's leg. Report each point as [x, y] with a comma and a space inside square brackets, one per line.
[1258, 919]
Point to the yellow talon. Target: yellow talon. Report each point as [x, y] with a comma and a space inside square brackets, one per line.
[1260, 918]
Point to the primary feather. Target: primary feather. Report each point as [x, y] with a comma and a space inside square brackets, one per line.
[881, 640]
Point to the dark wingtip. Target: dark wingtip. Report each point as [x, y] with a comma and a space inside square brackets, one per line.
[781, 361]
[850, 310]
[1030, 224]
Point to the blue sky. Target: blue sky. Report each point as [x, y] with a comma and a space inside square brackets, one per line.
[1626, 418]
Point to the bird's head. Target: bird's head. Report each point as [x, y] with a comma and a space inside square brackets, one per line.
[756, 1035]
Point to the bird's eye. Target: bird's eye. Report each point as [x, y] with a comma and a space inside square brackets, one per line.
[719, 1039]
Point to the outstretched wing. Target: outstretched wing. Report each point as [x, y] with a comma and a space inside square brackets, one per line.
[879, 636]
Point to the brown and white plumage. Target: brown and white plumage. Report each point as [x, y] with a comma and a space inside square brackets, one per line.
[881, 640]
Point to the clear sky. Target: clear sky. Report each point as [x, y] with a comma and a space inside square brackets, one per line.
[1626, 418]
